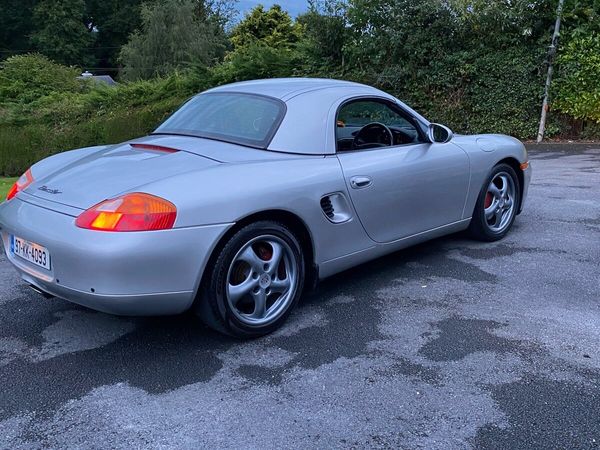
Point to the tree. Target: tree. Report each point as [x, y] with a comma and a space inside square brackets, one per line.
[503, 23]
[221, 11]
[396, 40]
[265, 45]
[581, 18]
[61, 33]
[172, 37]
[325, 35]
[256, 61]
[16, 25]
[273, 28]
[112, 21]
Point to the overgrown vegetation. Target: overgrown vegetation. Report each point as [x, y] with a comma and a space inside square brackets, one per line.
[476, 65]
[5, 185]
[172, 36]
[578, 89]
[90, 114]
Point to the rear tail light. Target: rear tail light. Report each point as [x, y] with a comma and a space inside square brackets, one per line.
[131, 212]
[21, 184]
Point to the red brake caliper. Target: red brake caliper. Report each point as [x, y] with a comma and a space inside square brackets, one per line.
[488, 200]
[265, 252]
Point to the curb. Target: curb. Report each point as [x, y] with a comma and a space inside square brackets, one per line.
[561, 146]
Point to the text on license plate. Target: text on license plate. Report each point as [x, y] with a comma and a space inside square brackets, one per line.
[30, 251]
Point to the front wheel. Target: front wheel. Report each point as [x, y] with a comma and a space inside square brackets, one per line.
[255, 282]
[497, 205]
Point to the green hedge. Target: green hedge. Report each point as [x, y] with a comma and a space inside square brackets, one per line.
[22, 146]
[577, 85]
[55, 119]
[493, 91]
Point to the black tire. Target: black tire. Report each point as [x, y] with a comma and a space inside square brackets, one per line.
[479, 228]
[212, 304]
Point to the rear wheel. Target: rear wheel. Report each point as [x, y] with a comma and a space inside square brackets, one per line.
[255, 281]
[497, 205]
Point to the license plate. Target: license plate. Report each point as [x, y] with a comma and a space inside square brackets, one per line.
[30, 251]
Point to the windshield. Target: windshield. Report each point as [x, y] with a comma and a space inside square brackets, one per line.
[246, 119]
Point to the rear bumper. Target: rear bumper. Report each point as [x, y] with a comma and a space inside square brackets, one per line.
[157, 304]
[140, 273]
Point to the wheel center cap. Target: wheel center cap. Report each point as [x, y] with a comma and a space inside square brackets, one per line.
[501, 203]
[265, 280]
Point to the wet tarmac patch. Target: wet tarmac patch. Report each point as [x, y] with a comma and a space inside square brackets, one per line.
[262, 375]
[549, 155]
[579, 187]
[33, 315]
[160, 355]
[432, 260]
[490, 252]
[459, 337]
[544, 414]
[351, 327]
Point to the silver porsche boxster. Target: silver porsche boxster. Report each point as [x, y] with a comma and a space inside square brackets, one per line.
[249, 194]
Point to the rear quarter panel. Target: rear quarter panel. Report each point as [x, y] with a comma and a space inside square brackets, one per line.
[228, 193]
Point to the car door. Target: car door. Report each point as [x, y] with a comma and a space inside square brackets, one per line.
[408, 188]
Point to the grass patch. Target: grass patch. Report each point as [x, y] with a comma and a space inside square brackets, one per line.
[5, 185]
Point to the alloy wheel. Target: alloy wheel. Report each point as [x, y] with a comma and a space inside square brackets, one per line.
[262, 280]
[499, 204]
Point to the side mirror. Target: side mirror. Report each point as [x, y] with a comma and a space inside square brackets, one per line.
[439, 133]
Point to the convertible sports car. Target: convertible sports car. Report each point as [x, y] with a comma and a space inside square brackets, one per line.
[249, 194]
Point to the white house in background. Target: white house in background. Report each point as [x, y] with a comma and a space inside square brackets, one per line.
[106, 79]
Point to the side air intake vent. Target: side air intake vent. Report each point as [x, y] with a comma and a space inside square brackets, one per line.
[335, 207]
[327, 207]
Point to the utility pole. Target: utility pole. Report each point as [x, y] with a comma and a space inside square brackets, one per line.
[551, 55]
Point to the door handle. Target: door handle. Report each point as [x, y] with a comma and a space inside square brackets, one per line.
[360, 182]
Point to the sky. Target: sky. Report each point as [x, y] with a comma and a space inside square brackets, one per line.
[294, 7]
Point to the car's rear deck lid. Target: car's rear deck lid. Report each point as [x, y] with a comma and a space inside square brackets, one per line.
[110, 172]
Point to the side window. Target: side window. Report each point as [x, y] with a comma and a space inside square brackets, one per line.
[364, 124]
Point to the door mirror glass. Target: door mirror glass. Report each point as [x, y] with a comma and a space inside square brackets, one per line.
[439, 133]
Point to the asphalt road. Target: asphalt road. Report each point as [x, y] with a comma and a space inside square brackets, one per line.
[451, 344]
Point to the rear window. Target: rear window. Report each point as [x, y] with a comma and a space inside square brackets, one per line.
[246, 119]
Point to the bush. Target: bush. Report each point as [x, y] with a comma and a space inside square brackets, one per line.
[55, 120]
[471, 92]
[577, 88]
[254, 62]
[503, 93]
[25, 78]
[22, 146]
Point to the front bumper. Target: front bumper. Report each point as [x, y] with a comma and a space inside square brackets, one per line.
[527, 173]
[139, 273]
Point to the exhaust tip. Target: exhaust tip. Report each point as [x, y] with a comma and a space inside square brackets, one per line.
[39, 291]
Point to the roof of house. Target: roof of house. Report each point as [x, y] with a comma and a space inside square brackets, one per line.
[106, 79]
